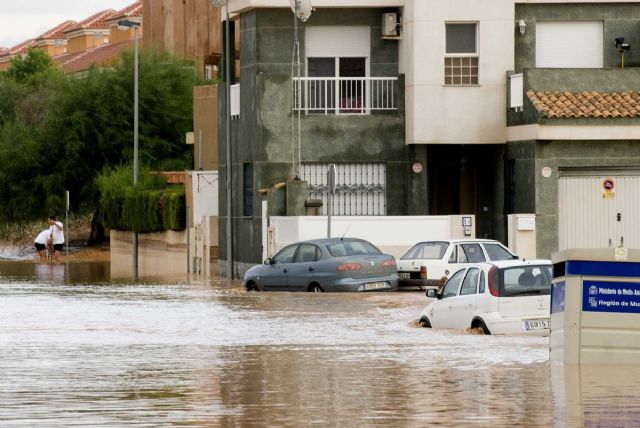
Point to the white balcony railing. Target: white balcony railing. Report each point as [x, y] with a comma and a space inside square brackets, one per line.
[345, 95]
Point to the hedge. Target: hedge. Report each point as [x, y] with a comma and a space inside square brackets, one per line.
[144, 210]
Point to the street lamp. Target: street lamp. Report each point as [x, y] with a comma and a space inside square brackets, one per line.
[125, 25]
[227, 74]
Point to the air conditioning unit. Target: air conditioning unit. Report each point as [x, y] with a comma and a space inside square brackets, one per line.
[390, 25]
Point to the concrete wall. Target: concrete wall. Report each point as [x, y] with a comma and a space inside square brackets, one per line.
[539, 195]
[205, 120]
[83, 41]
[189, 29]
[438, 114]
[162, 254]
[262, 134]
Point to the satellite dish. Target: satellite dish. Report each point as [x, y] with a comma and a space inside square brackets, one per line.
[301, 9]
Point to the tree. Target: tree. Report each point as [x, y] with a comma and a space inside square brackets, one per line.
[34, 68]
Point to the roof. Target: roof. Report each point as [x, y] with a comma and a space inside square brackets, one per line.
[20, 48]
[95, 21]
[57, 32]
[556, 104]
[133, 10]
[72, 63]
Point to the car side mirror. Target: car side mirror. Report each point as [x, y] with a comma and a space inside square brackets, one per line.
[432, 293]
[268, 261]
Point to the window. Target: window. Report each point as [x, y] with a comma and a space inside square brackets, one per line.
[350, 248]
[247, 181]
[470, 282]
[451, 287]
[350, 90]
[525, 281]
[286, 254]
[307, 253]
[453, 258]
[461, 59]
[498, 252]
[471, 253]
[427, 250]
[335, 69]
[481, 284]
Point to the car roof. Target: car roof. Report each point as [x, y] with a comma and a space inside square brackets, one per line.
[501, 264]
[459, 241]
[325, 241]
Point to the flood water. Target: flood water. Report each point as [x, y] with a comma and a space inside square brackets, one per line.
[79, 349]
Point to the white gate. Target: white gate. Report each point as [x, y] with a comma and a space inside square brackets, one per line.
[599, 209]
[360, 187]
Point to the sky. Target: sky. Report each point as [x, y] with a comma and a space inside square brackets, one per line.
[21, 20]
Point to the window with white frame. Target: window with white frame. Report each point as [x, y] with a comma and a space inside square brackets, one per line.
[461, 54]
[337, 65]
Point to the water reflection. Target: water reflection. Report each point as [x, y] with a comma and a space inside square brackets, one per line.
[78, 348]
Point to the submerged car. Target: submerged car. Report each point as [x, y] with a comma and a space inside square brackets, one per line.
[505, 297]
[332, 264]
[428, 264]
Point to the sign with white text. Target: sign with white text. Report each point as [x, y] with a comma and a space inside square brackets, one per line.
[606, 296]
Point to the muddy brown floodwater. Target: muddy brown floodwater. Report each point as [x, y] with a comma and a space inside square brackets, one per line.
[77, 348]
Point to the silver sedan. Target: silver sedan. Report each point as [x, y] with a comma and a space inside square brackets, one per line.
[336, 264]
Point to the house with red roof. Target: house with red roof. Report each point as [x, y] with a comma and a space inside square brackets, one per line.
[54, 41]
[89, 33]
[20, 49]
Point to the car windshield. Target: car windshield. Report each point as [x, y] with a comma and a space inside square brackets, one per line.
[525, 281]
[351, 248]
[427, 250]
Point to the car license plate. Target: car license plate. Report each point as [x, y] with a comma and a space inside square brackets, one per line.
[404, 275]
[537, 325]
[375, 286]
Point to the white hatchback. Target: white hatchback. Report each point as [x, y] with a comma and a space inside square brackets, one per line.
[504, 297]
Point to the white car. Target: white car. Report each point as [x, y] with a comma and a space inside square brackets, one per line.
[428, 264]
[504, 297]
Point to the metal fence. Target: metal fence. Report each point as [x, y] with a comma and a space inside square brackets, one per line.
[360, 187]
[349, 95]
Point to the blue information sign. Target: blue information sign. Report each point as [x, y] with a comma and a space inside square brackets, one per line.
[605, 296]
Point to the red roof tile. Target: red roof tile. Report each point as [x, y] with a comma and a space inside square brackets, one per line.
[21, 48]
[57, 32]
[72, 63]
[556, 104]
[133, 10]
[95, 21]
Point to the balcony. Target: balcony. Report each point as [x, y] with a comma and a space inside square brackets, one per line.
[345, 95]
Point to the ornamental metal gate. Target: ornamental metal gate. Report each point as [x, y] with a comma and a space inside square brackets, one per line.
[360, 187]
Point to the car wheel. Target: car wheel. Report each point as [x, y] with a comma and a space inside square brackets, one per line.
[251, 286]
[315, 288]
[481, 326]
[424, 322]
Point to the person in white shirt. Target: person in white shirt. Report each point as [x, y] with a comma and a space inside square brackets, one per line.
[57, 233]
[42, 242]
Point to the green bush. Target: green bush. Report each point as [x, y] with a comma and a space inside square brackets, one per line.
[151, 206]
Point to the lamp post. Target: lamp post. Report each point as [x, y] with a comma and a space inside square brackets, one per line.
[227, 77]
[125, 25]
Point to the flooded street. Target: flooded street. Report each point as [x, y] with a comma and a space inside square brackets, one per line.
[79, 349]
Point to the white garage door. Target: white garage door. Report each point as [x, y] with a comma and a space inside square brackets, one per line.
[599, 209]
[570, 44]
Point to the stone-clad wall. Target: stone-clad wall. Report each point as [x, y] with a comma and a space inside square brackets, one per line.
[262, 134]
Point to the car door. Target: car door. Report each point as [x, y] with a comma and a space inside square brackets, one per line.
[274, 275]
[301, 271]
[442, 316]
[463, 306]
[471, 253]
